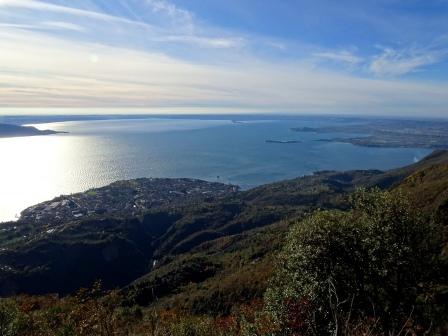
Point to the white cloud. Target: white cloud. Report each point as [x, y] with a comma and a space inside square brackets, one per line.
[164, 59]
[62, 25]
[340, 56]
[46, 25]
[174, 25]
[216, 42]
[16, 25]
[47, 7]
[392, 62]
[180, 17]
[42, 71]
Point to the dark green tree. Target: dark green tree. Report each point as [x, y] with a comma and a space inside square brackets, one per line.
[376, 264]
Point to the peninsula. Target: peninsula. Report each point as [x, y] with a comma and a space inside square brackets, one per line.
[11, 131]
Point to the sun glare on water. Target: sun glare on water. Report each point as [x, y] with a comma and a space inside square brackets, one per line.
[46, 156]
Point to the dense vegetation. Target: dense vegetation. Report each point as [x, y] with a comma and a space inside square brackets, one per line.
[374, 270]
[310, 256]
[376, 267]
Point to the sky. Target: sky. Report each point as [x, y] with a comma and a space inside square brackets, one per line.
[370, 57]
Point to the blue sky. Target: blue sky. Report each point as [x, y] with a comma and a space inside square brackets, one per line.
[385, 57]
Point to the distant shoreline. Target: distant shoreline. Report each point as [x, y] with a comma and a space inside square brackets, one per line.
[24, 119]
[15, 131]
[387, 134]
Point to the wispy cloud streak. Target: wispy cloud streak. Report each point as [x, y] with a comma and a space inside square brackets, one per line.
[393, 62]
[340, 56]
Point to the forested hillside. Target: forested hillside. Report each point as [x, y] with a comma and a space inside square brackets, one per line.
[347, 253]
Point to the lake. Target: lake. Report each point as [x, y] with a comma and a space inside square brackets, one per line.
[96, 153]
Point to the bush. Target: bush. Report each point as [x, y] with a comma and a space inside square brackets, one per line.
[8, 318]
[377, 262]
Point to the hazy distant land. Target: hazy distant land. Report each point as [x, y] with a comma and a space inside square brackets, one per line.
[10, 131]
[390, 133]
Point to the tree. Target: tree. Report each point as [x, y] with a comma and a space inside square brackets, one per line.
[376, 263]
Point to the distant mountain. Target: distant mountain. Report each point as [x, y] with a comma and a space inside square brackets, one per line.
[10, 131]
[201, 254]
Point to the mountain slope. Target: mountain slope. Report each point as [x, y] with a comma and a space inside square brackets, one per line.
[196, 245]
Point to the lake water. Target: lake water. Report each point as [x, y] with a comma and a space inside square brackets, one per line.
[96, 153]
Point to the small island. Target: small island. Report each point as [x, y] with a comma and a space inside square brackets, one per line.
[11, 131]
[283, 141]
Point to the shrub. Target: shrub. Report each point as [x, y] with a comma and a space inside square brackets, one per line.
[377, 262]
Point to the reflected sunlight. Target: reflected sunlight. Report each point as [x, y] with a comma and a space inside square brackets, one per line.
[47, 157]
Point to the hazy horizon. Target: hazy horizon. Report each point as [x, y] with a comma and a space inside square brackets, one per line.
[130, 112]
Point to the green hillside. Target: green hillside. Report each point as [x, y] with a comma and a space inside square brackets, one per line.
[209, 263]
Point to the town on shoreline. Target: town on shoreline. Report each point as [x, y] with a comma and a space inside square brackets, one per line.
[125, 198]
